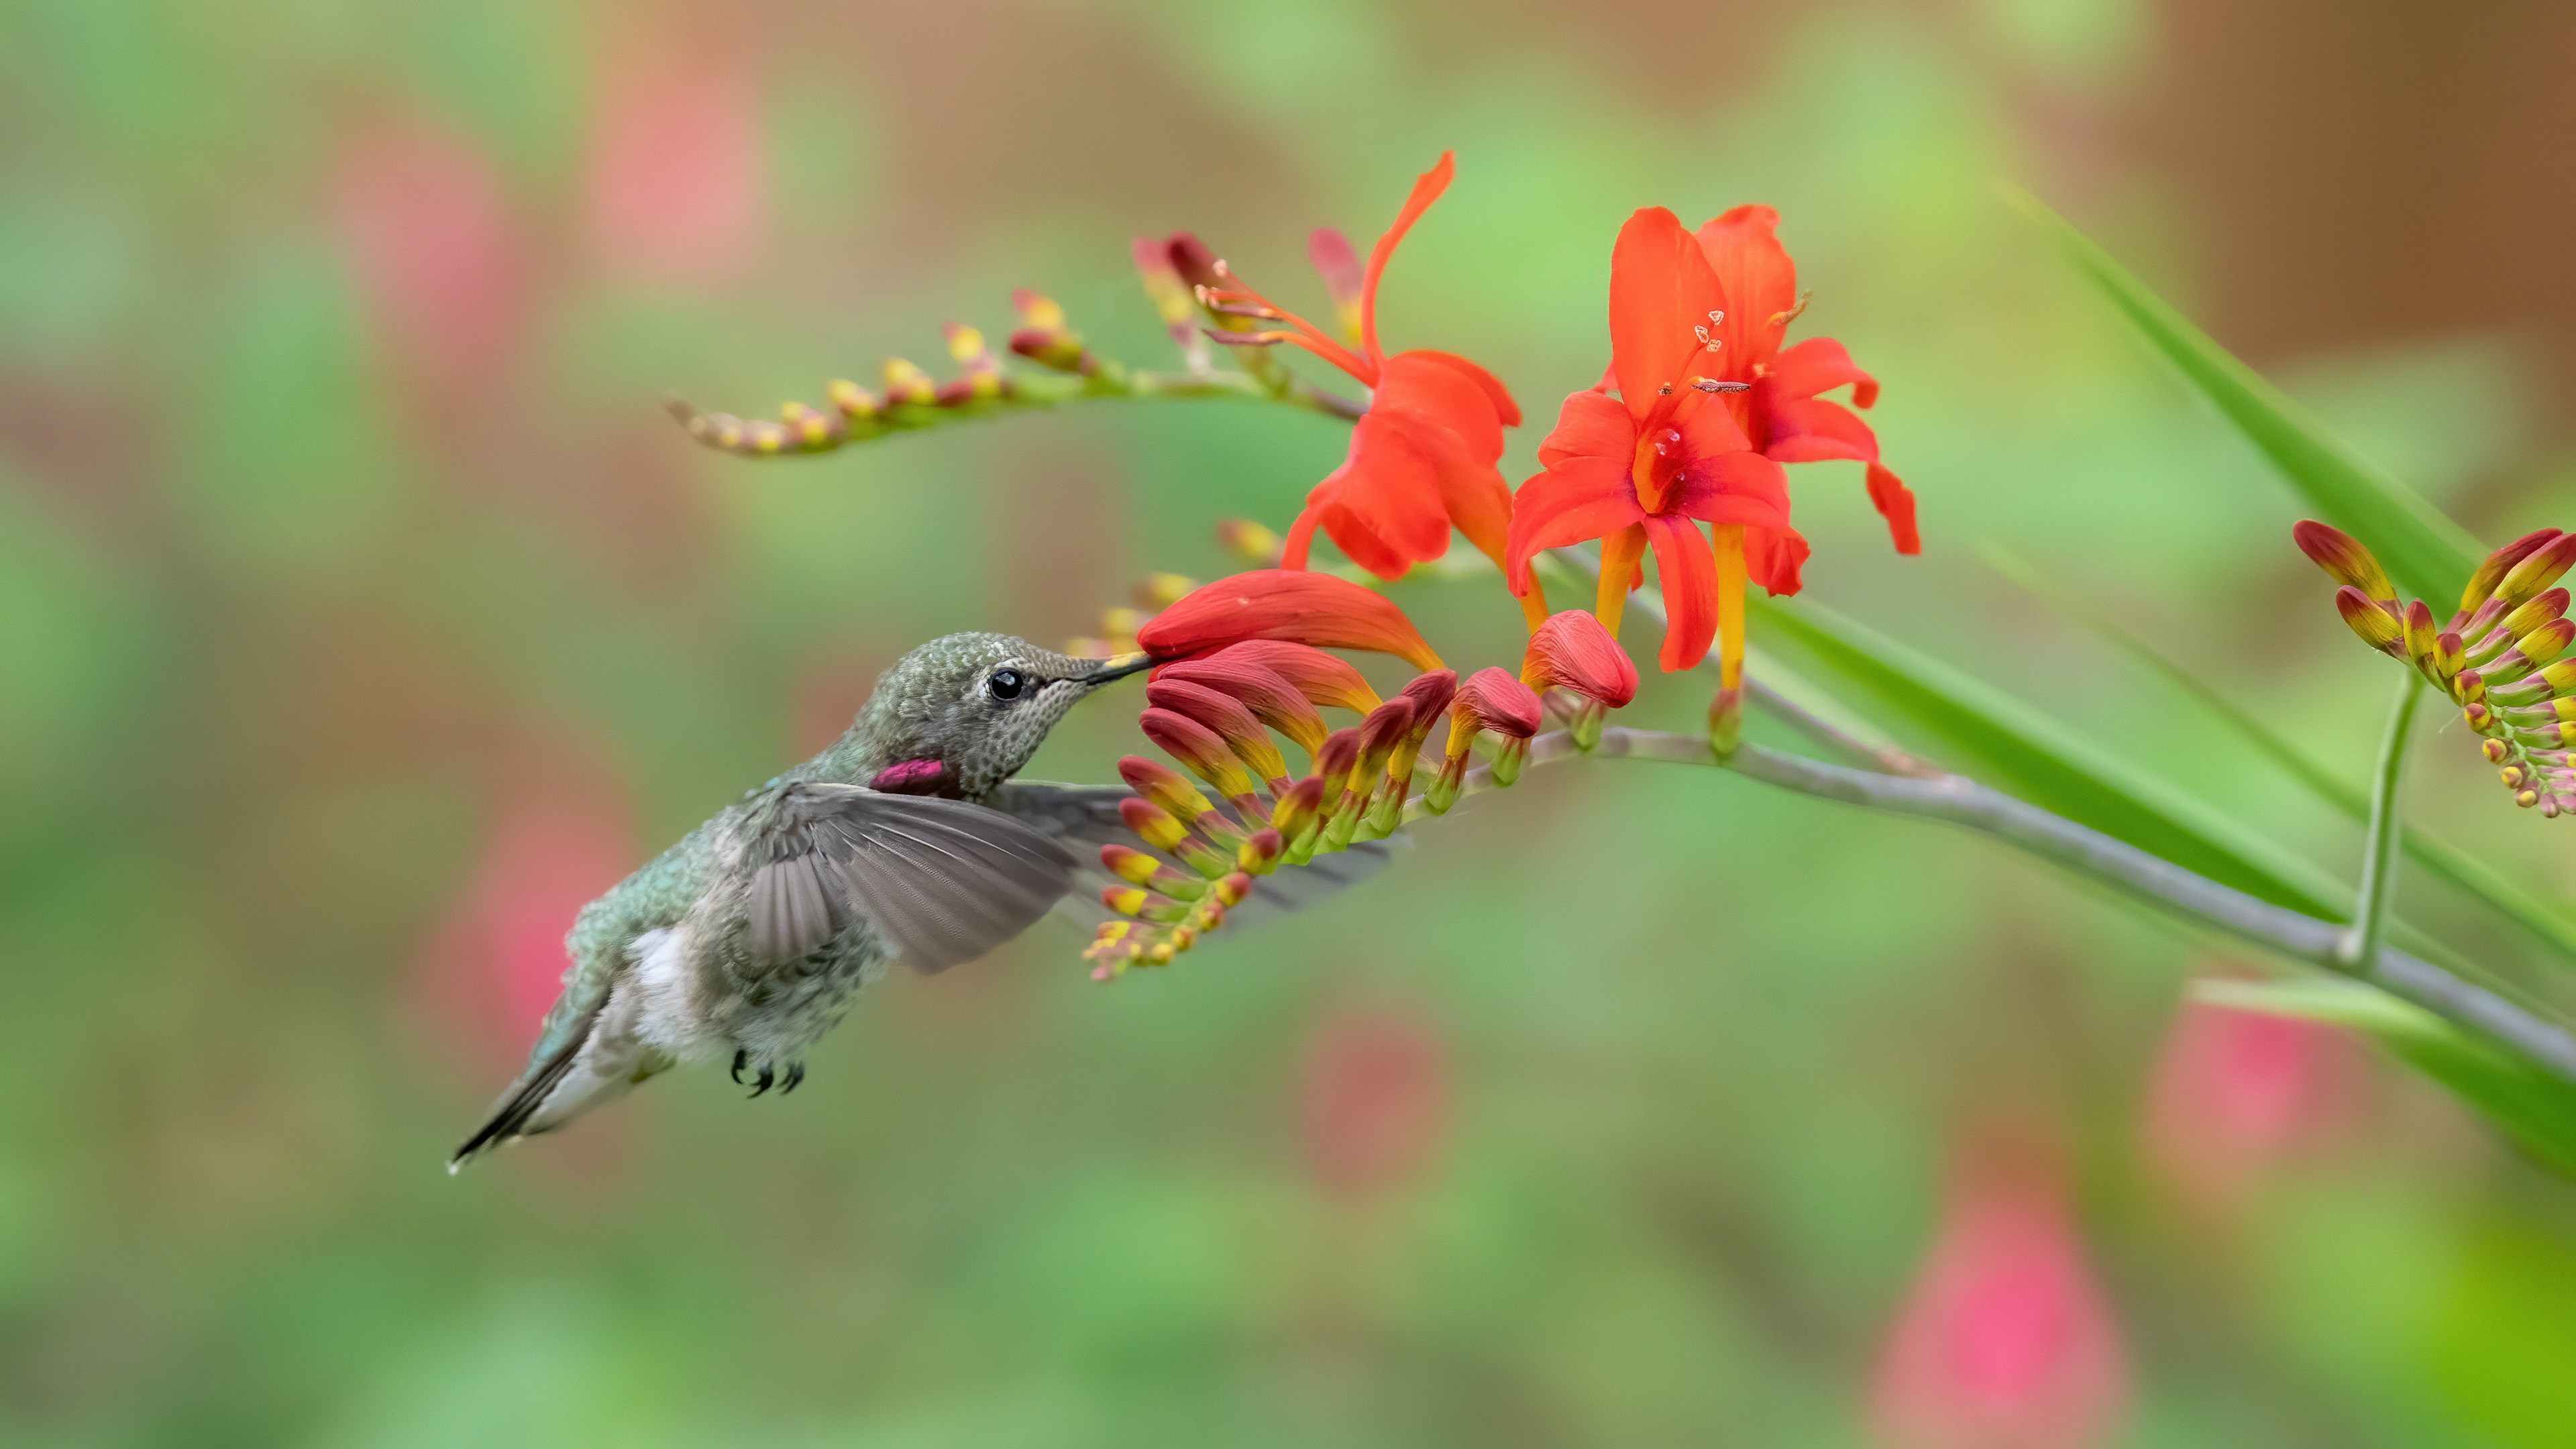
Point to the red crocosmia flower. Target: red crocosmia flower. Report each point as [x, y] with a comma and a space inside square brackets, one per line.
[1646, 469]
[2004, 1342]
[1781, 412]
[1290, 604]
[1574, 651]
[1422, 458]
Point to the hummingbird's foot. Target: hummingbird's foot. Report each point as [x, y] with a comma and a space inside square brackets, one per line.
[739, 1057]
[795, 1079]
[761, 1082]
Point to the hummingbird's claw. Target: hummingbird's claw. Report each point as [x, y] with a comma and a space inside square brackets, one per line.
[739, 1057]
[761, 1083]
[795, 1079]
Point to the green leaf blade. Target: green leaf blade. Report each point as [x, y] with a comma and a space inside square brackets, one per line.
[2427, 553]
[2016, 748]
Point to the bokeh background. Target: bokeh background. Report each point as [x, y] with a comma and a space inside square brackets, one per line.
[361, 615]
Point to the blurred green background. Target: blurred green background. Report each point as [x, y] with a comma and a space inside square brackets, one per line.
[361, 615]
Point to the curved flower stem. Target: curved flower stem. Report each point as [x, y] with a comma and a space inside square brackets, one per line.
[2379, 858]
[813, 430]
[2089, 853]
[1773, 701]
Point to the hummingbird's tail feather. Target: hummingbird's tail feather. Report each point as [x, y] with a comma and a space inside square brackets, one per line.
[512, 1114]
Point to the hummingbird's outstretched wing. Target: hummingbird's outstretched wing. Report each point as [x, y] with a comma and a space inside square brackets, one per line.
[1085, 817]
[942, 881]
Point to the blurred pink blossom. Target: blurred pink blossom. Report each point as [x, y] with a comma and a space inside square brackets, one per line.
[2004, 1341]
[675, 183]
[437, 261]
[497, 955]
[2235, 1091]
[1373, 1101]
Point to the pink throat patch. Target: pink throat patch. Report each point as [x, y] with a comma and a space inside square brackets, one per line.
[912, 777]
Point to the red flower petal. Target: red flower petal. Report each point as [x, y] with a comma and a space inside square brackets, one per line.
[1572, 650]
[1506, 410]
[1733, 488]
[1773, 557]
[1895, 503]
[1689, 572]
[1590, 425]
[1576, 499]
[1290, 604]
[1760, 283]
[1426, 190]
[1804, 431]
[1661, 288]
[1816, 365]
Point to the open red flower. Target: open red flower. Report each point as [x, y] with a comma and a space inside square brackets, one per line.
[1648, 468]
[1422, 458]
[1780, 410]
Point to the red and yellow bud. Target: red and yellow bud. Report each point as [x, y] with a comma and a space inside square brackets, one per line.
[1164, 786]
[1335, 262]
[2538, 570]
[1172, 300]
[1298, 809]
[2532, 615]
[1271, 698]
[2343, 558]
[2496, 565]
[1259, 853]
[1320, 677]
[1199, 748]
[1572, 651]
[2495, 751]
[2547, 642]
[2419, 632]
[1043, 337]
[1233, 889]
[809, 427]
[906, 385]
[1152, 824]
[853, 400]
[1491, 699]
[2449, 655]
[1137, 868]
[1293, 605]
[1144, 905]
[1228, 719]
[1161, 591]
[1249, 540]
[1335, 763]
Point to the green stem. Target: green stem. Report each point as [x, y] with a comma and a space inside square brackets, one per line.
[826, 430]
[2379, 859]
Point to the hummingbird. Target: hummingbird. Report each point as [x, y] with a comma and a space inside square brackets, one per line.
[905, 840]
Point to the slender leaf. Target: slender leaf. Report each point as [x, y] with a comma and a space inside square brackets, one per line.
[2016, 748]
[2535, 1108]
[2427, 553]
[2490, 886]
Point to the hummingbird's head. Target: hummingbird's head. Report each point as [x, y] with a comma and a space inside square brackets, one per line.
[979, 704]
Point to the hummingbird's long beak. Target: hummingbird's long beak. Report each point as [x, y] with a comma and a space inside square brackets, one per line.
[1118, 667]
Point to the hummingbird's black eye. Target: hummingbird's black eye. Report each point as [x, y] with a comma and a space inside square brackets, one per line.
[1007, 683]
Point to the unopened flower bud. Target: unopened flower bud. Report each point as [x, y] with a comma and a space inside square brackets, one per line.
[906, 385]
[1172, 300]
[1201, 749]
[1299, 808]
[2495, 566]
[1572, 651]
[1320, 677]
[1334, 261]
[1259, 854]
[2495, 751]
[2419, 632]
[809, 427]
[1335, 763]
[1227, 718]
[2368, 620]
[2538, 570]
[1138, 868]
[2343, 558]
[1232, 890]
[1163, 590]
[1272, 699]
[2547, 642]
[1491, 699]
[853, 400]
[1253, 541]
[2449, 656]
